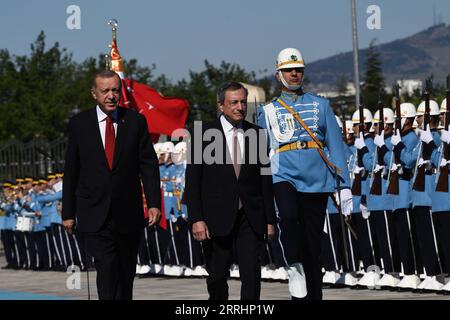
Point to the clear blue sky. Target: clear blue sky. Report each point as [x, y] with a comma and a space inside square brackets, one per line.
[177, 35]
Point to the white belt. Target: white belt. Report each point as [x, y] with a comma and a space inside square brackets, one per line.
[168, 194]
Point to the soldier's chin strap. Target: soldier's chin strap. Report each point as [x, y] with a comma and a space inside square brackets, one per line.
[290, 87]
[308, 130]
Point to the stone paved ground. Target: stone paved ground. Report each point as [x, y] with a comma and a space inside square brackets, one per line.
[52, 285]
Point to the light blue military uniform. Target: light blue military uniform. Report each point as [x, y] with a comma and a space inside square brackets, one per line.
[180, 171]
[424, 198]
[170, 202]
[440, 200]
[384, 201]
[403, 199]
[300, 167]
[49, 202]
[10, 216]
[368, 159]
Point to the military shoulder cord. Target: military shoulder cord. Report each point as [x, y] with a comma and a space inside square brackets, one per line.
[308, 130]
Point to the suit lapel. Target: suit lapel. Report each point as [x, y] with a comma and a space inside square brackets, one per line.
[120, 136]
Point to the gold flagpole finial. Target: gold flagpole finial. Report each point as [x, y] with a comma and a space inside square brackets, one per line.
[114, 24]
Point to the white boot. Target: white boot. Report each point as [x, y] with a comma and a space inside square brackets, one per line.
[348, 279]
[234, 271]
[388, 280]
[330, 277]
[409, 282]
[436, 283]
[446, 287]
[297, 280]
[369, 279]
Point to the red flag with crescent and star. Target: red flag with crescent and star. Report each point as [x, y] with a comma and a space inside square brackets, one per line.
[164, 115]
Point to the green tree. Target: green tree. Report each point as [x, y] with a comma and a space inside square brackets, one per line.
[373, 79]
[40, 91]
[38, 86]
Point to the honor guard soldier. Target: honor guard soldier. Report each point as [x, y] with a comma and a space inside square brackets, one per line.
[168, 177]
[7, 225]
[441, 198]
[190, 251]
[379, 202]
[401, 167]
[48, 200]
[307, 160]
[423, 200]
[333, 252]
[421, 156]
[361, 166]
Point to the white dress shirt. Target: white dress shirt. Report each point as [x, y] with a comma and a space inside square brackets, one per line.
[101, 117]
[228, 130]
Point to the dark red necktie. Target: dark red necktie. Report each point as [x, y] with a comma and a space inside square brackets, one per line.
[110, 139]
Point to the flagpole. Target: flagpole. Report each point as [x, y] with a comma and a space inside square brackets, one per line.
[355, 54]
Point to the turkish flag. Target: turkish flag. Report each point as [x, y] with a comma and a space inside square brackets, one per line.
[163, 114]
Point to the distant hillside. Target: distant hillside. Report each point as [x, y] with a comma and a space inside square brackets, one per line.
[414, 57]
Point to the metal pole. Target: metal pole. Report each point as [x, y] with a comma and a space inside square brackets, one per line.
[355, 53]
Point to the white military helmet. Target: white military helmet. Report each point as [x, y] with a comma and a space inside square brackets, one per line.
[179, 152]
[443, 106]
[167, 147]
[180, 147]
[388, 115]
[290, 58]
[339, 122]
[349, 126]
[434, 108]
[158, 148]
[367, 116]
[407, 110]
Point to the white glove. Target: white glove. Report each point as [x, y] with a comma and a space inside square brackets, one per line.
[445, 136]
[396, 138]
[426, 136]
[444, 162]
[422, 162]
[358, 170]
[378, 168]
[346, 202]
[394, 167]
[365, 212]
[359, 142]
[379, 140]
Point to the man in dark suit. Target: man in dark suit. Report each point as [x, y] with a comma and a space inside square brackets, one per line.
[229, 197]
[109, 154]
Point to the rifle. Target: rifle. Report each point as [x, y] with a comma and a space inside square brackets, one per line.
[442, 183]
[356, 187]
[376, 187]
[394, 175]
[344, 131]
[419, 181]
